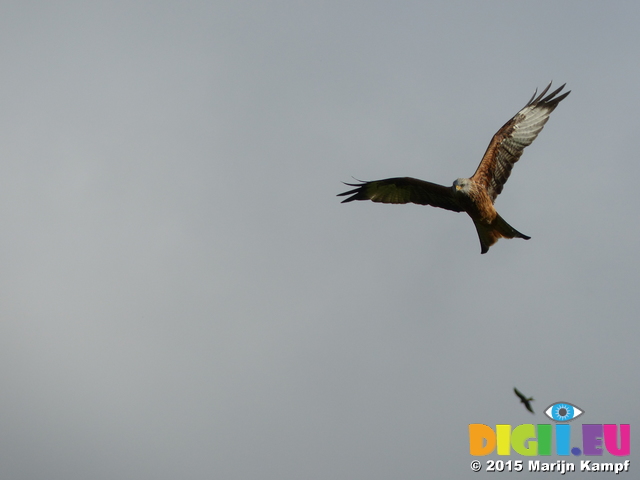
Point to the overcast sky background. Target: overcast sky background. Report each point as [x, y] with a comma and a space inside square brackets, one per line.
[184, 296]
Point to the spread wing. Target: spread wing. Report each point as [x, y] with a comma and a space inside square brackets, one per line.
[404, 190]
[522, 397]
[508, 143]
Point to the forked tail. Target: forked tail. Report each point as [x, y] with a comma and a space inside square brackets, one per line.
[491, 233]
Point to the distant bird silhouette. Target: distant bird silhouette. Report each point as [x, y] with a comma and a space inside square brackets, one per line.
[473, 195]
[524, 399]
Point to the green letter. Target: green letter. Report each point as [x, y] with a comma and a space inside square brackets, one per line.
[522, 434]
[544, 439]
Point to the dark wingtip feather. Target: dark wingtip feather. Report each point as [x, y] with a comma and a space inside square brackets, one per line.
[549, 99]
[356, 192]
[350, 192]
[542, 93]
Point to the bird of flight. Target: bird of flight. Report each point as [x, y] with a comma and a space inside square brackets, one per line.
[525, 400]
[473, 195]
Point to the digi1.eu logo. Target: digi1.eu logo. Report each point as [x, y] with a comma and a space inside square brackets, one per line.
[530, 440]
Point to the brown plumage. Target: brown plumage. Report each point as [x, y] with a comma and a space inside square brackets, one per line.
[525, 400]
[477, 194]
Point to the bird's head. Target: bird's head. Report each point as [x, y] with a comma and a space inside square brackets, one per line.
[462, 185]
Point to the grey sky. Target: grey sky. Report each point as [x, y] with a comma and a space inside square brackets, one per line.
[183, 295]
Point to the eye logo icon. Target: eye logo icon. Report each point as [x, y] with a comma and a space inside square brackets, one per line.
[563, 412]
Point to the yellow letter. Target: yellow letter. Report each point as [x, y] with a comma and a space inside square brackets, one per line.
[503, 433]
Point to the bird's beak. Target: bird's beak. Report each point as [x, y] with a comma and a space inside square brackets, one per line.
[458, 187]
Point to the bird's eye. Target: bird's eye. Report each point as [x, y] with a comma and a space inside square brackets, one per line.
[563, 412]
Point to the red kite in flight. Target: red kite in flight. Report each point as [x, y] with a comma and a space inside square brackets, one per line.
[525, 400]
[473, 195]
